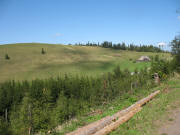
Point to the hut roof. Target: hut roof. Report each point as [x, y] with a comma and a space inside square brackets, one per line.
[144, 58]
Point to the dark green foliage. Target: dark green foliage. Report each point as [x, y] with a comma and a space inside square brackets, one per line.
[162, 67]
[4, 127]
[107, 44]
[11, 93]
[43, 51]
[7, 56]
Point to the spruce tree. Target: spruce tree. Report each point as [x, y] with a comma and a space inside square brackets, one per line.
[7, 56]
[42, 51]
[21, 118]
[61, 112]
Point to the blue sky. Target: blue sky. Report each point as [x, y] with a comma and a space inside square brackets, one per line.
[73, 21]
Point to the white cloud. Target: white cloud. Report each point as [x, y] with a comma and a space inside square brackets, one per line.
[58, 34]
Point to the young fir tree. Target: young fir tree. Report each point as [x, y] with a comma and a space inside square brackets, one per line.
[7, 56]
[42, 111]
[21, 118]
[43, 51]
[61, 112]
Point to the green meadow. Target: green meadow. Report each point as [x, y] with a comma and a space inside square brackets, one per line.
[26, 61]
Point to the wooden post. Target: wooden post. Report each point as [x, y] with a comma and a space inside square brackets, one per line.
[156, 78]
[6, 115]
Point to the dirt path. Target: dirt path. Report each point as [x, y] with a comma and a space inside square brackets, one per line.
[172, 124]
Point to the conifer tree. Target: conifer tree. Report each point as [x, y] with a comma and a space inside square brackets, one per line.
[61, 110]
[21, 118]
[43, 51]
[7, 56]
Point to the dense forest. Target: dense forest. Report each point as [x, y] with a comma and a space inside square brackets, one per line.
[123, 46]
[42, 104]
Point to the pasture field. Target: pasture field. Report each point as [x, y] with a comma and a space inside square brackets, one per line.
[26, 61]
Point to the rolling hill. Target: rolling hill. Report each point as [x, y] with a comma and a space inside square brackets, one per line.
[26, 61]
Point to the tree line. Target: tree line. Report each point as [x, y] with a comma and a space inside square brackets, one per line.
[123, 46]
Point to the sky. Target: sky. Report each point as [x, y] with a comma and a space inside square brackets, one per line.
[74, 21]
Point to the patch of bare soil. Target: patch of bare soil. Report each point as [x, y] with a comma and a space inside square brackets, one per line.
[172, 124]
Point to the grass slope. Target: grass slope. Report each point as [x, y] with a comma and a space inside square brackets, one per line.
[27, 62]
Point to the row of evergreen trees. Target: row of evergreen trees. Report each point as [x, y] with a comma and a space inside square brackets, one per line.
[41, 105]
[123, 46]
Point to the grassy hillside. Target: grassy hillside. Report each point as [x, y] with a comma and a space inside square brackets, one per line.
[27, 62]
